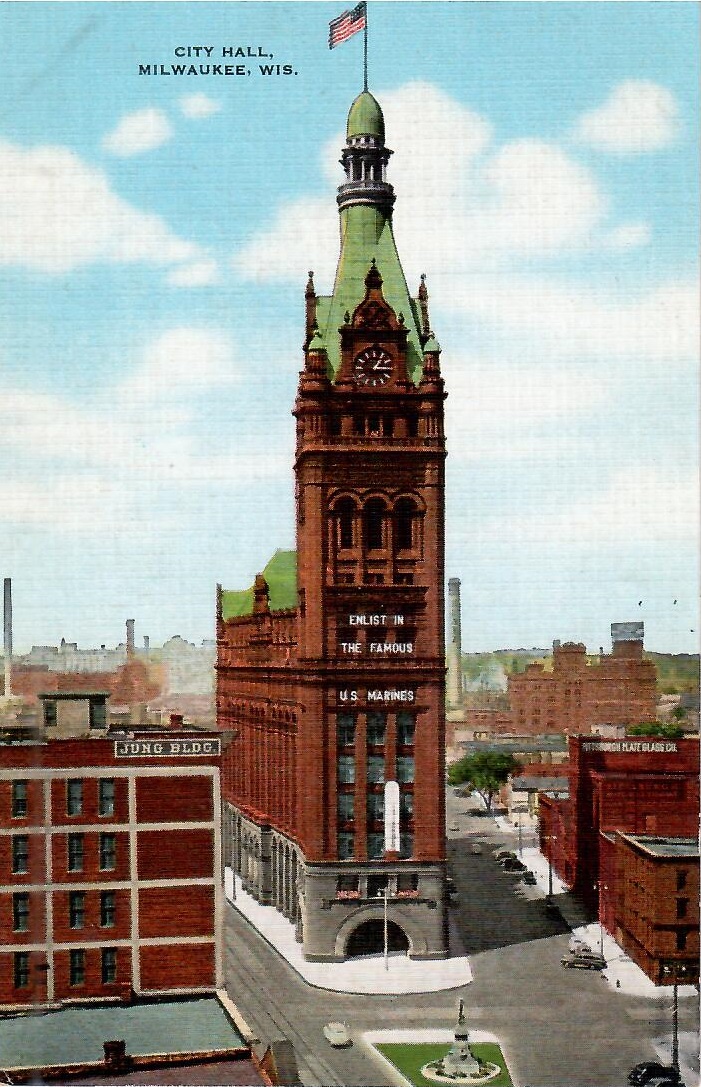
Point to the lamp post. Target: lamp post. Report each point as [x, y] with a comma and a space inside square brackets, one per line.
[675, 1025]
[520, 836]
[385, 929]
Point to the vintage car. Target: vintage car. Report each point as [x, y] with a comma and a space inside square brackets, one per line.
[337, 1035]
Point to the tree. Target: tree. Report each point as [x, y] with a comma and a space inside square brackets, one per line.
[666, 729]
[485, 772]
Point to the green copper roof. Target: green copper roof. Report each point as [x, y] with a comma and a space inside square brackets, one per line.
[365, 117]
[281, 576]
[366, 232]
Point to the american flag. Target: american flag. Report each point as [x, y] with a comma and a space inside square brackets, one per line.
[344, 26]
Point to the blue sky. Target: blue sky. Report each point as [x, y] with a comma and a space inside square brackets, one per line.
[156, 235]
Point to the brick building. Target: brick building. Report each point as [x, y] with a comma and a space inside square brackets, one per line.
[634, 785]
[331, 668]
[110, 866]
[576, 696]
[652, 905]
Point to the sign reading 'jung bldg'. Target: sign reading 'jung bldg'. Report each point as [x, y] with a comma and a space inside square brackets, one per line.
[148, 749]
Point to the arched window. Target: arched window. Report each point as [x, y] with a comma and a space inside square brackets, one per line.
[344, 512]
[374, 524]
[404, 514]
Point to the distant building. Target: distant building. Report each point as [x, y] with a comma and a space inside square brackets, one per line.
[576, 696]
[110, 864]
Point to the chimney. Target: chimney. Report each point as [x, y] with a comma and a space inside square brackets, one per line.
[8, 636]
[147, 642]
[130, 637]
[454, 653]
[176, 720]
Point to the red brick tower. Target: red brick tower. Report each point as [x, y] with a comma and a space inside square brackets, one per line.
[365, 680]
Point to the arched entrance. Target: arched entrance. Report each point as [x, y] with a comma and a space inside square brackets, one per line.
[369, 939]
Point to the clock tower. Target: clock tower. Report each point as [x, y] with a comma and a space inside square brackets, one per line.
[366, 674]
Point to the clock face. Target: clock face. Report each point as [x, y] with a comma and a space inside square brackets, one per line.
[372, 367]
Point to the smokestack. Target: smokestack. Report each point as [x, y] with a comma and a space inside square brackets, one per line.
[147, 642]
[7, 586]
[130, 637]
[454, 653]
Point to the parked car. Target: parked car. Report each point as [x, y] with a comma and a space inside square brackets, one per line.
[450, 885]
[654, 1074]
[337, 1035]
[513, 865]
[583, 960]
[454, 826]
[476, 849]
[529, 878]
[503, 854]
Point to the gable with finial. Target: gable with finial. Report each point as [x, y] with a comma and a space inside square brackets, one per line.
[374, 312]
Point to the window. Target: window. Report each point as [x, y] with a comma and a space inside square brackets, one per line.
[19, 799]
[346, 769]
[105, 796]
[682, 907]
[413, 426]
[20, 854]
[108, 852]
[21, 969]
[345, 511]
[349, 883]
[50, 713]
[77, 967]
[108, 909]
[404, 513]
[406, 845]
[345, 727]
[405, 769]
[374, 524]
[681, 939]
[75, 852]
[109, 965]
[406, 725]
[76, 909]
[407, 881]
[74, 797]
[376, 769]
[376, 848]
[681, 878]
[346, 806]
[376, 807]
[406, 806]
[345, 846]
[376, 885]
[376, 726]
[20, 912]
[98, 714]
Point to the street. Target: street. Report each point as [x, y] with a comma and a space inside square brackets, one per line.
[558, 1028]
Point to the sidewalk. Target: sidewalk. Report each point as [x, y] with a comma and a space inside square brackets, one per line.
[364, 975]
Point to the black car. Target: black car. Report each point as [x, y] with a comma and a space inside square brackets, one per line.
[513, 864]
[529, 878]
[654, 1074]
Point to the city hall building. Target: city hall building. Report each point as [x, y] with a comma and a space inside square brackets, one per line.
[331, 669]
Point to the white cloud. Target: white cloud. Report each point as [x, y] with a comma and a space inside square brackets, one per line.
[462, 201]
[137, 132]
[642, 504]
[637, 116]
[660, 324]
[58, 213]
[183, 362]
[198, 106]
[201, 273]
[628, 236]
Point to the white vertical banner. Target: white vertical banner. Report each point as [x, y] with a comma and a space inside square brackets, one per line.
[391, 817]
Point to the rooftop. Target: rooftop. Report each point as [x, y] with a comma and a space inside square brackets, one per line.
[76, 1035]
[664, 847]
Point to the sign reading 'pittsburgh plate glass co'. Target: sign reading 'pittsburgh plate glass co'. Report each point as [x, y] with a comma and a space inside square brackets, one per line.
[171, 749]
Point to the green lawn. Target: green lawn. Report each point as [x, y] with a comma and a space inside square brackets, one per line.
[410, 1059]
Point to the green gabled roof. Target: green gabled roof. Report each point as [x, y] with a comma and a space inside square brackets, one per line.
[281, 576]
[366, 233]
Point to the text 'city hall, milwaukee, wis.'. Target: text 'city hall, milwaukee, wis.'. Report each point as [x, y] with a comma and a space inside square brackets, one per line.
[331, 667]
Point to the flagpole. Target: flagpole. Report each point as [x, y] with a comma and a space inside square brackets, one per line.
[365, 50]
